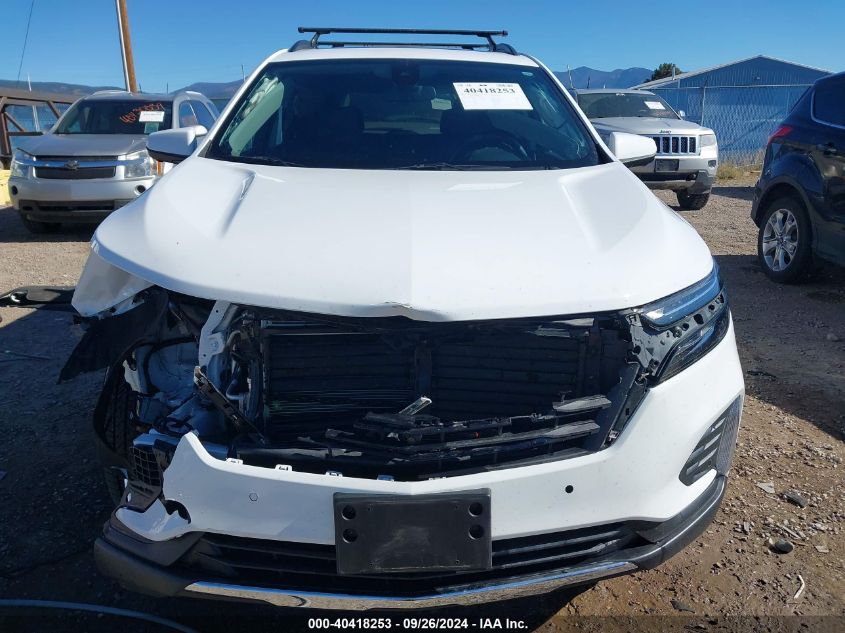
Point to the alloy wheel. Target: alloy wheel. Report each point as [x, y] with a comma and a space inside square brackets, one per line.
[780, 240]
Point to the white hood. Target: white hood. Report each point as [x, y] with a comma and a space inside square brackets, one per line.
[430, 245]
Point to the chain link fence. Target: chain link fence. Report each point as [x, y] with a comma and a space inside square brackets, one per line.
[743, 117]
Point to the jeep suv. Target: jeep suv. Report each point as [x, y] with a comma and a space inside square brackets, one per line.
[799, 200]
[403, 331]
[687, 155]
[95, 160]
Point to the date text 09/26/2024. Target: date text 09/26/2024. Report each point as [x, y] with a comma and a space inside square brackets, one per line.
[482, 624]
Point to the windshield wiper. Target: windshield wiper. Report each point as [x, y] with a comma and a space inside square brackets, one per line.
[454, 166]
[265, 160]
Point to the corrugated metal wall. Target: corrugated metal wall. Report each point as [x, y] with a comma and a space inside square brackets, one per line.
[742, 102]
[743, 117]
[758, 71]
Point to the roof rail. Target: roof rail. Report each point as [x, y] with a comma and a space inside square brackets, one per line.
[110, 91]
[489, 43]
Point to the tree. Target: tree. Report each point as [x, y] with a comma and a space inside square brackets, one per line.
[665, 70]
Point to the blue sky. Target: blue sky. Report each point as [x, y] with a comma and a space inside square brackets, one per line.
[178, 42]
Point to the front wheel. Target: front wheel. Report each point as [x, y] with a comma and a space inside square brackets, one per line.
[692, 201]
[783, 242]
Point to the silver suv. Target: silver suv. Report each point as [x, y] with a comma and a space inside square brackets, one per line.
[95, 158]
[687, 154]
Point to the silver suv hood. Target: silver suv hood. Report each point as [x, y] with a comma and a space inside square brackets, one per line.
[647, 125]
[84, 144]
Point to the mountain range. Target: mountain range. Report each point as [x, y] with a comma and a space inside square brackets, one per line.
[581, 77]
[585, 77]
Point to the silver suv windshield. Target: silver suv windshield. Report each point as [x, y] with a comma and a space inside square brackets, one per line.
[405, 114]
[604, 105]
[112, 116]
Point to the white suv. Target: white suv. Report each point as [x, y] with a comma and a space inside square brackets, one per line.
[402, 331]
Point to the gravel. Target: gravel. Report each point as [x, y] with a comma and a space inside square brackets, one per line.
[791, 437]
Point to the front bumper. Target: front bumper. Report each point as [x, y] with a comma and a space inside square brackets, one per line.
[695, 174]
[669, 537]
[49, 200]
[634, 481]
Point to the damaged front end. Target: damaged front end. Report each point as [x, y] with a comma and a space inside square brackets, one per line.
[242, 444]
[385, 398]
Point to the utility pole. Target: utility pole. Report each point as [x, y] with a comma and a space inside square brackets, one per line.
[126, 46]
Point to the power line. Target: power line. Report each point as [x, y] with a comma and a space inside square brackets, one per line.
[25, 39]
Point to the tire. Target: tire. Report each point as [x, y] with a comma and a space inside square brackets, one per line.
[40, 228]
[692, 201]
[115, 429]
[784, 241]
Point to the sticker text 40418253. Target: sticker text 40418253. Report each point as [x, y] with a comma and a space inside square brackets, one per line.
[492, 96]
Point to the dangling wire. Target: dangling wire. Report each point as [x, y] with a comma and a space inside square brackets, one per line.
[25, 38]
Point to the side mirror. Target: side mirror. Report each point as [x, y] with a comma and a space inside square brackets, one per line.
[632, 149]
[174, 146]
[682, 114]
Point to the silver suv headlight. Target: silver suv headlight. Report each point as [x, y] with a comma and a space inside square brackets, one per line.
[139, 165]
[676, 331]
[706, 140]
[20, 164]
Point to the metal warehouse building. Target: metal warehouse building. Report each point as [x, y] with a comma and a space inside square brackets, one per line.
[742, 101]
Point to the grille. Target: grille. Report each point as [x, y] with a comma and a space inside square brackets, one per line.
[676, 144]
[338, 390]
[61, 206]
[305, 567]
[145, 467]
[82, 173]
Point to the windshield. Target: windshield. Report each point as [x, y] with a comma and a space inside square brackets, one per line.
[104, 116]
[602, 105]
[405, 114]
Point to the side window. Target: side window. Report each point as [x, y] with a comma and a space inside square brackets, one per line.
[829, 102]
[204, 117]
[186, 115]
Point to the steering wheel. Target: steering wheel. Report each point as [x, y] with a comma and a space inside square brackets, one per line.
[500, 140]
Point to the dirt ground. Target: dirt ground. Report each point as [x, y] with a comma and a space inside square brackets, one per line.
[792, 345]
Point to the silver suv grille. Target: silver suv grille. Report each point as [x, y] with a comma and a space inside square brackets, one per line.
[670, 144]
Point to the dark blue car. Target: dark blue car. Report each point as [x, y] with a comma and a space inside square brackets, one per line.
[799, 201]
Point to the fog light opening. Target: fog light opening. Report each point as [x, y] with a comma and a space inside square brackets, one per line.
[14, 190]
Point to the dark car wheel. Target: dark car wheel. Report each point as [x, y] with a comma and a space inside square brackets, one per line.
[692, 201]
[116, 428]
[34, 226]
[784, 241]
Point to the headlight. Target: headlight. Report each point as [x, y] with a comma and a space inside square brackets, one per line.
[139, 165]
[676, 331]
[706, 140]
[19, 167]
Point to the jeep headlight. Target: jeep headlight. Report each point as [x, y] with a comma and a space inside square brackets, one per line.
[706, 140]
[20, 167]
[139, 165]
[676, 331]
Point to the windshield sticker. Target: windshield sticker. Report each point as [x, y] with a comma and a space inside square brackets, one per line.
[441, 104]
[654, 105]
[494, 96]
[132, 115]
[151, 116]
[149, 128]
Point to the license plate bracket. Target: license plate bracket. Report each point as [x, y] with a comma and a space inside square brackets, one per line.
[666, 164]
[402, 533]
